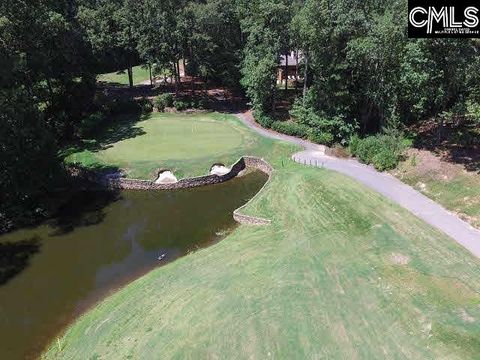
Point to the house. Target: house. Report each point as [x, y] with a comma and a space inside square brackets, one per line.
[288, 67]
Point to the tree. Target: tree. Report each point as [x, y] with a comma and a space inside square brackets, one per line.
[360, 65]
[265, 24]
[158, 35]
[213, 41]
[109, 27]
[43, 64]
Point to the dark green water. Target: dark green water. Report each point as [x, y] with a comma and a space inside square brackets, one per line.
[99, 242]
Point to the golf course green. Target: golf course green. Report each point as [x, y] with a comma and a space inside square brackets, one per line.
[187, 144]
[342, 273]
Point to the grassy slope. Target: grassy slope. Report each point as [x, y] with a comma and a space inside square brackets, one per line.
[461, 194]
[139, 75]
[342, 273]
[167, 140]
[459, 191]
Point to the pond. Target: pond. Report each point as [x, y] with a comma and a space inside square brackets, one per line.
[99, 242]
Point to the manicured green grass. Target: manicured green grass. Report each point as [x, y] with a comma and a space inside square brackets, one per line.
[140, 74]
[342, 273]
[187, 144]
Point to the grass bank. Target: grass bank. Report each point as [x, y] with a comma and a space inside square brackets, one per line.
[341, 273]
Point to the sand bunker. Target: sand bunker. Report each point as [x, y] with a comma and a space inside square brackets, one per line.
[166, 177]
[219, 169]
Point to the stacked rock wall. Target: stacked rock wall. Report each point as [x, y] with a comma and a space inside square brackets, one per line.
[116, 181]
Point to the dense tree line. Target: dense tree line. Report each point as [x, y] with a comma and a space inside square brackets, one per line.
[361, 74]
[359, 64]
[359, 68]
[45, 85]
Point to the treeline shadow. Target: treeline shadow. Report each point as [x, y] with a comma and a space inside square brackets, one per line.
[457, 142]
[124, 127]
[83, 208]
[115, 129]
[15, 257]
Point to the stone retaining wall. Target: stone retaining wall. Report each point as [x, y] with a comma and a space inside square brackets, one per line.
[257, 163]
[262, 165]
[116, 181]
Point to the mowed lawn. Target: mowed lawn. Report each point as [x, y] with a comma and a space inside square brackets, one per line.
[342, 273]
[140, 74]
[187, 144]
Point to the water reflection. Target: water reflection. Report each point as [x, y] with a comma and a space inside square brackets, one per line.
[15, 256]
[84, 209]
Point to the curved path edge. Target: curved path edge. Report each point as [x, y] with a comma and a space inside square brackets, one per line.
[384, 183]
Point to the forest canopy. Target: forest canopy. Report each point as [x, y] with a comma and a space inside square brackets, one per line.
[360, 72]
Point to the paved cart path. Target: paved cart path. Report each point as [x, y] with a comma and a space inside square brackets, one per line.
[386, 184]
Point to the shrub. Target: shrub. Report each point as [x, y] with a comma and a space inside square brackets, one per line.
[146, 105]
[263, 119]
[180, 105]
[385, 159]
[473, 109]
[291, 128]
[368, 147]
[320, 137]
[122, 106]
[325, 130]
[353, 144]
[339, 151]
[162, 101]
[169, 99]
[383, 151]
[201, 103]
[101, 101]
[195, 103]
[89, 123]
[191, 103]
[300, 112]
[159, 104]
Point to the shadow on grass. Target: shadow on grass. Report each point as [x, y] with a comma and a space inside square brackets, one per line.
[105, 83]
[15, 257]
[118, 128]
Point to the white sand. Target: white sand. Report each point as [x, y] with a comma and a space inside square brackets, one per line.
[219, 170]
[166, 177]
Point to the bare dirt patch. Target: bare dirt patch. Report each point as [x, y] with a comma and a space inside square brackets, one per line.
[339, 151]
[450, 184]
[425, 164]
